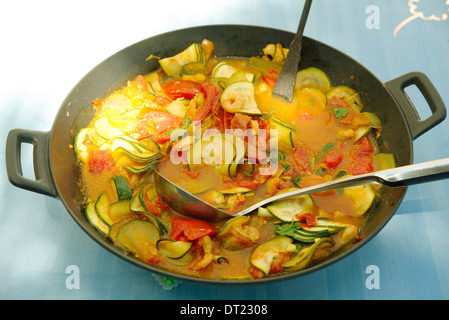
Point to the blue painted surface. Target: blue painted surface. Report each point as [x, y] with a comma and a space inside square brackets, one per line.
[48, 47]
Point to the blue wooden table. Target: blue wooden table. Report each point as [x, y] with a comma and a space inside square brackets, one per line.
[47, 46]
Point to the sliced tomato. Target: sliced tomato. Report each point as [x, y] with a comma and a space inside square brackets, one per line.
[182, 89]
[247, 184]
[162, 101]
[360, 164]
[142, 84]
[164, 120]
[185, 229]
[309, 220]
[303, 157]
[212, 101]
[332, 159]
[270, 81]
[100, 160]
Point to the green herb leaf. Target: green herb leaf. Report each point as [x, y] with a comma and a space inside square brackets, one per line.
[297, 180]
[340, 113]
[287, 229]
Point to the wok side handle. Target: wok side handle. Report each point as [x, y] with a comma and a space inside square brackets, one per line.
[417, 126]
[43, 182]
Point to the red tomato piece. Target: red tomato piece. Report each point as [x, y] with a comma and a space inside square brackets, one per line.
[100, 160]
[310, 220]
[164, 120]
[360, 165]
[162, 101]
[189, 229]
[364, 146]
[212, 101]
[270, 81]
[247, 184]
[182, 89]
[142, 84]
[332, 159]
[303, 156]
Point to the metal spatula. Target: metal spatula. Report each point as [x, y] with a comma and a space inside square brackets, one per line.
[285, 84]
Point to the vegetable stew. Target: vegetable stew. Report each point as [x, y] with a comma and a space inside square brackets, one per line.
[211, 126]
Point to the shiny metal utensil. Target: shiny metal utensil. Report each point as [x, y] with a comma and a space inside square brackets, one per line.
[285, 84]
[189, 205]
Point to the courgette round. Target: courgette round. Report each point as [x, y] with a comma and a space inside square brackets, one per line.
[304, 257]
[95, 220]
[312, 78]
[362, 197]
[233, 221]
[136, 235]
[173, 65]
[264, 254]
[173, 249]
[102, 209]
[80, 148]
[289, 210]
[121, 188]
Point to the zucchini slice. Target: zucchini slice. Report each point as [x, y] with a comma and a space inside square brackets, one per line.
[81, 151]
[106, 130]
[173, 249]
[285, 131]
[137, 205]
[312, 99]
[384, 161]
[121, 188]
[236, 190]
[239, 98]
[226, 71]
[95, 220]
[136, 235]
[102, 209]
[233, 221]
[223, 70]
[264, 254]
[240, 151]
[348, 94]
[120, 209]
[306, 234]
[95, 138]
[289, 210]
[178, 107]
[361, 196]
[173, 65]
[362, 131]
[312, 78]
[142, 168]
[304, 257]
[214, 197]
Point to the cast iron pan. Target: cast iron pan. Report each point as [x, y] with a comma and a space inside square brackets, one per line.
[55, 164]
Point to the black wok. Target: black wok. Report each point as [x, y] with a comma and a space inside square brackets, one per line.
[55, 164]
